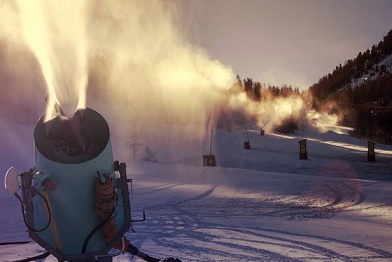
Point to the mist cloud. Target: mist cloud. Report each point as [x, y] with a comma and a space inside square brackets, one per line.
[132, 62]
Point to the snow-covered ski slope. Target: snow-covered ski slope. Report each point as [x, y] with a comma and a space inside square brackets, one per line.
[263, 204]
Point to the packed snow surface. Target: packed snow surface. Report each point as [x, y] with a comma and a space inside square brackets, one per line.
[263, 204]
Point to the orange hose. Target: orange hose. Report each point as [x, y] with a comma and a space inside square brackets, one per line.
[105, 200]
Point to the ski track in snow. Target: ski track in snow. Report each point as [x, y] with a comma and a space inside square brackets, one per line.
[190, 233]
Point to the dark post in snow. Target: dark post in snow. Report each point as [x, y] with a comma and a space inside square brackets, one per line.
[209, 160]
[303, 154]
[371, 154]
[247, 143]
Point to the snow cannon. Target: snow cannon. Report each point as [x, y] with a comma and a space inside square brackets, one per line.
[76, 198]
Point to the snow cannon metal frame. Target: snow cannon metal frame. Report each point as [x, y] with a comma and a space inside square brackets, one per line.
[63, 210]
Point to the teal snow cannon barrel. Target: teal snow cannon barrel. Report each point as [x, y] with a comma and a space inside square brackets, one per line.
[76, 197]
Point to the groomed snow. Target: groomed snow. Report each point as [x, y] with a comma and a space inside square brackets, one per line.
[263, 204]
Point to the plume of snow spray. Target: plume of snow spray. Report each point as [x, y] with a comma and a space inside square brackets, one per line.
[140, 71]
[273, 111]
[55, 32]
[155, 84]
[138, 67]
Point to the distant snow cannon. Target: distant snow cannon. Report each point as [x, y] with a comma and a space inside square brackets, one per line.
[303, 153]
[371, 155]
[247, 143]
[75, 200]
[209, 160]
[262, 131]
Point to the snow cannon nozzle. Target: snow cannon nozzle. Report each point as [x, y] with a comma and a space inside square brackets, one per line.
[72, 140]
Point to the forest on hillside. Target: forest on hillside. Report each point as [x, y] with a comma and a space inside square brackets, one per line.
[360, 91]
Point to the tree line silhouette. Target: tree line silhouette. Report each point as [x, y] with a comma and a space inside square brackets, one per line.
[258, 92]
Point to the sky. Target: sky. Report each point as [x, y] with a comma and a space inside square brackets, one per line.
[285, 42]
[294, 42]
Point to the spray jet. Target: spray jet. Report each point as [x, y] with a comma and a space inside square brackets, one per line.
[75, 200]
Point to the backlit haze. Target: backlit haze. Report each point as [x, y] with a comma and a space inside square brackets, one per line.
[128, 59]
[150, 65]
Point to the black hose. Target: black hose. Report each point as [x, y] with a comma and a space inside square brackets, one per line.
[135, 251]
[95, 229]
[24, 217]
